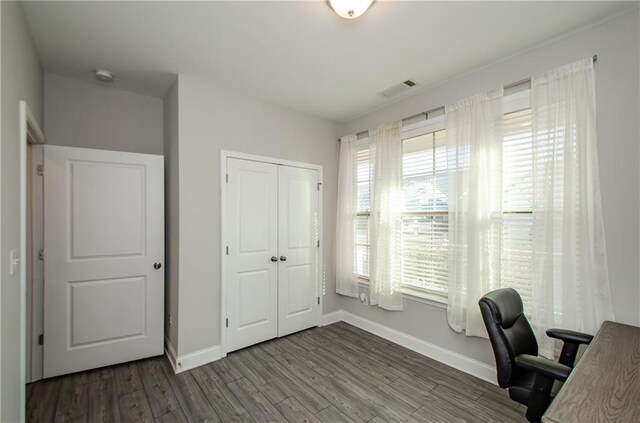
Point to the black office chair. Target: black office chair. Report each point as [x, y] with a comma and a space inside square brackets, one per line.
[531, 380]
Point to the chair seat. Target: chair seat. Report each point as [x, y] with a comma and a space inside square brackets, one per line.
[521, 389]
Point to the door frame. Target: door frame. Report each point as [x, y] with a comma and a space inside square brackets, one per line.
[224, 155]
[35, 263]
[30, 133]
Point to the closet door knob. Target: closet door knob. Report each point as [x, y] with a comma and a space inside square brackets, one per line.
[283, 258]
[157, 265]
[274, 258]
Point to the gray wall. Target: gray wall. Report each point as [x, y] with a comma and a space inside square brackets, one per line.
[172, 209]
[21, 80]
[212, 118]
[82, 114]
[617, 44]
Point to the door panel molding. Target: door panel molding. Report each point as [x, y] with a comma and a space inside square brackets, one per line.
[118, 183]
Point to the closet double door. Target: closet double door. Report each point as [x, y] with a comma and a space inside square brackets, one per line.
[272, 273]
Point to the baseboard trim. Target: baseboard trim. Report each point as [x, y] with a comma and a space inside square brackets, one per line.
[170, 352]
[330, 318]
[450, 358]
[192, 360]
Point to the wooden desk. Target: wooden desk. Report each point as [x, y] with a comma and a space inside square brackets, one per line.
[605, 384]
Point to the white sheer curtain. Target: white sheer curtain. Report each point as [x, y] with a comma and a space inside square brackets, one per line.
[385, 152]
[474, 154]
[346, 278]
[570, 282]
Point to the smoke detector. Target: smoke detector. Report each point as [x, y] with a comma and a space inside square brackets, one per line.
[103, 75]
[397, 89]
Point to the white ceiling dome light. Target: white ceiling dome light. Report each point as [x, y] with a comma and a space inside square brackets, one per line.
[350, 9]
[103, 75]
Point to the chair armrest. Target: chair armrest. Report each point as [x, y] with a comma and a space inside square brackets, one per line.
[570, 336]
[543, 366]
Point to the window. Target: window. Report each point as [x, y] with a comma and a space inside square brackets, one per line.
[363, 181]
[517, 202]
[425, 217]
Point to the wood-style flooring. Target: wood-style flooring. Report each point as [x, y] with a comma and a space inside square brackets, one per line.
[336, 373]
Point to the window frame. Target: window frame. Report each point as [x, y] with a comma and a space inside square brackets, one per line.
[513, 102]
[421, 128]
[363, 278]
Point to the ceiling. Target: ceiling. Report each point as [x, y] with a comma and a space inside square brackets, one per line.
[299, 55]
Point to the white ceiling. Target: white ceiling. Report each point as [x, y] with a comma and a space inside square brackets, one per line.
[297, 54]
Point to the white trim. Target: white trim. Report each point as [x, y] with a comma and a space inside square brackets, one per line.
[170, 352]
[423, 127]
[35, 287]
[224, 155]
[223, 261]
[410, 294]
[424, 298]
[331, 318]
[364, 141]
[517, 101]
[194, 359]
[450, 358]
[30, 133]
[321, 283]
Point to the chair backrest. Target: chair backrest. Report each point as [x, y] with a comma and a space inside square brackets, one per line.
[509, 331]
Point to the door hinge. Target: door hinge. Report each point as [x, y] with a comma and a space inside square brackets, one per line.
[227, 178]
[319, 183]
[41, 254]
[227, 322]
[41, 339]
[227, 250]
[40, 170]
[318, 243]
[318, 300]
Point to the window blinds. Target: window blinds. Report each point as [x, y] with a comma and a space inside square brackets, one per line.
[425, 222]
[363, 185]
[517, 202]
[425, 217]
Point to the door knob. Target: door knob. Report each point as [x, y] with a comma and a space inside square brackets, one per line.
[157, 265]
[274, 258]
[283, 258]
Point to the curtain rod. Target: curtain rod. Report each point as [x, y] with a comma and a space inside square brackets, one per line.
[426, 114]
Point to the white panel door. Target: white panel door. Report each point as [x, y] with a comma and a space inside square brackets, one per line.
[252, 267]
[298, 234]
[104, 248]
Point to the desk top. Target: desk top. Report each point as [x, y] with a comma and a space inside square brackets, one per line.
[605, 384]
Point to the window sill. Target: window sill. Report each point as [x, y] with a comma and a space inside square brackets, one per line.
[416, 295]
[434, 300]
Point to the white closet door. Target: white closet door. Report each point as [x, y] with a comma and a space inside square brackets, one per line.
[103, 250]
[252, 269]
[298, 226]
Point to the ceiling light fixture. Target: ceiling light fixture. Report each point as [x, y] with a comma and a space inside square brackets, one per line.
[350, 9]
[103, 75]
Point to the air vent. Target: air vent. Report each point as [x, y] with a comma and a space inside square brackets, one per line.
[397, 89]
